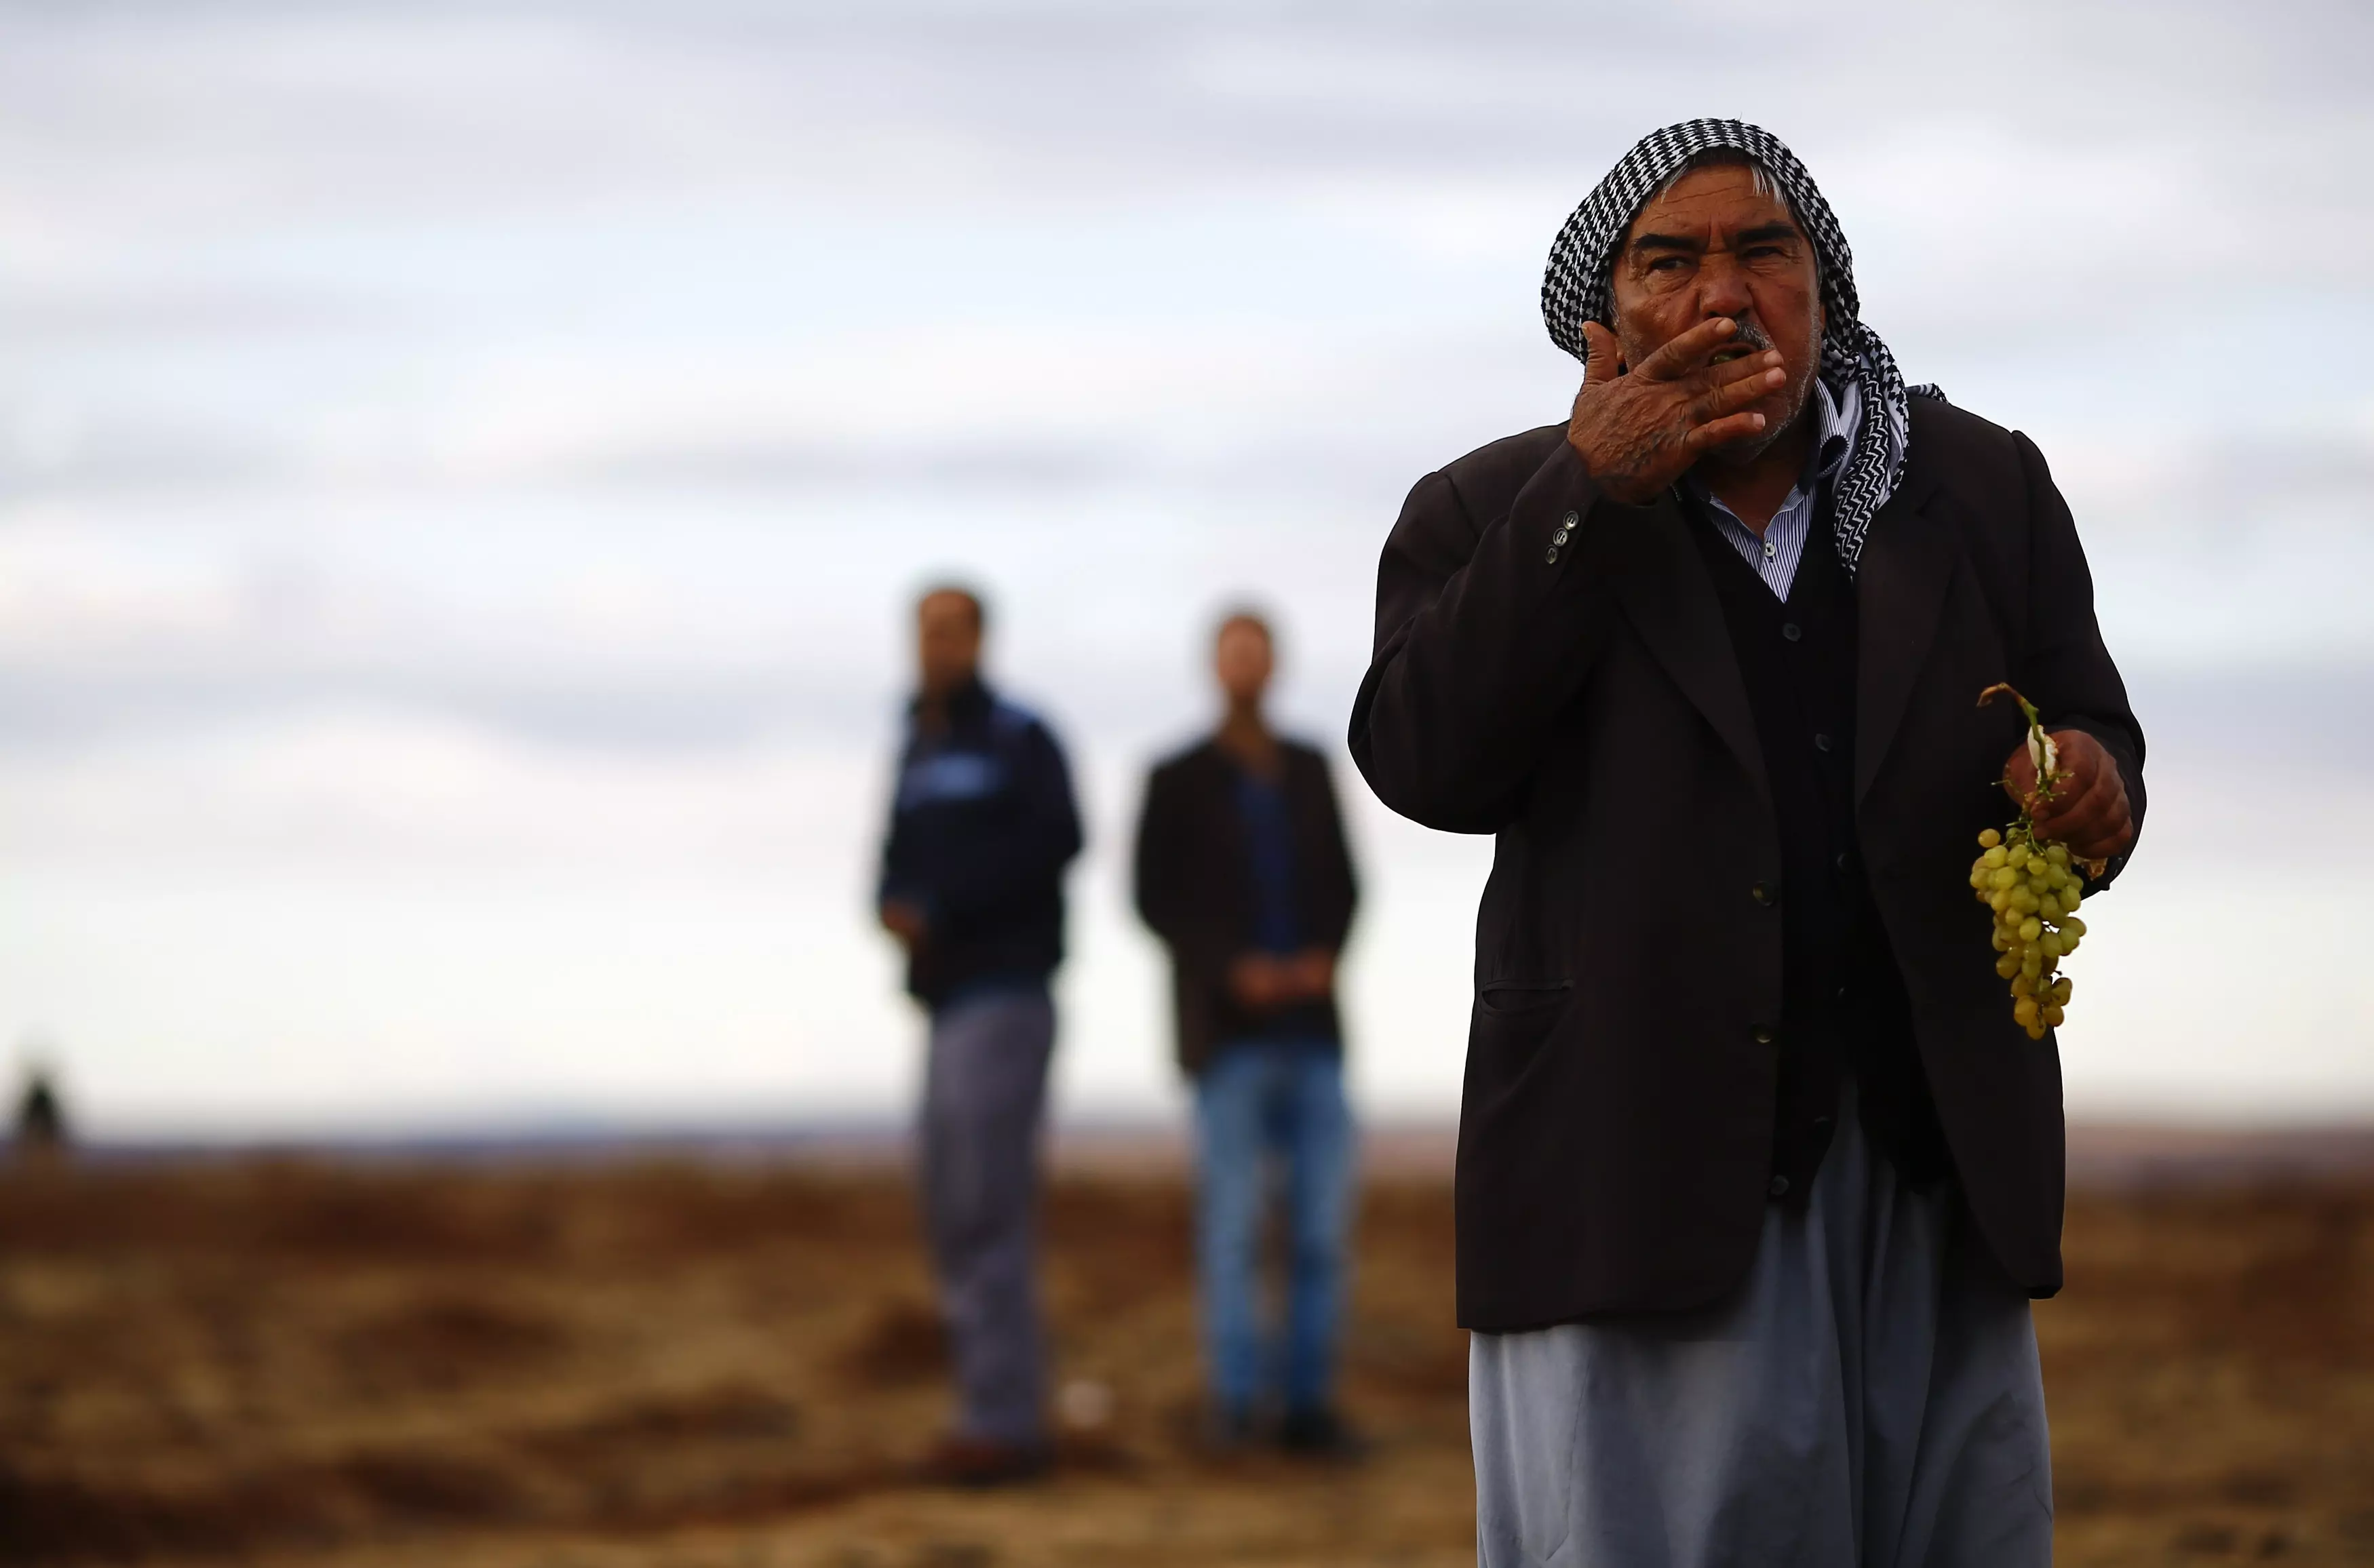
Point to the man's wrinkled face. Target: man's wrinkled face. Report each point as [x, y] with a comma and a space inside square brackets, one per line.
[1711, 246]
[947, 642]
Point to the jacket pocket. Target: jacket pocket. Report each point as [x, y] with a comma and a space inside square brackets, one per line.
[1509, 1024]
[1512, 1001]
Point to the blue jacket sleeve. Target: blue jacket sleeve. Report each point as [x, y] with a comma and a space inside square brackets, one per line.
[1012, 865]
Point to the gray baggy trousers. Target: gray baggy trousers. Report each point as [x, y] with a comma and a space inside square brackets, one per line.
[984, 1086]
[1870, 1399]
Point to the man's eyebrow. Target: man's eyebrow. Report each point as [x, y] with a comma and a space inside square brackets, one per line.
[1666, 242]
[1777, 229]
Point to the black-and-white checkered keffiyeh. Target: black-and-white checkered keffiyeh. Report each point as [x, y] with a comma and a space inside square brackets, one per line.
[1576, 289]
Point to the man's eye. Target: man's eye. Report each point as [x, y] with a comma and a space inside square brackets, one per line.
[1666, 264]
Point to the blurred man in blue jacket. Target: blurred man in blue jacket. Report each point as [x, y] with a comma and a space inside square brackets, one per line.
[982, 827]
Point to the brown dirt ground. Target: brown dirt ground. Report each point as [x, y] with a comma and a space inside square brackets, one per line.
[726, 1367]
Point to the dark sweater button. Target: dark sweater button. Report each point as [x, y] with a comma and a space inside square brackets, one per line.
[1822, 1123]
[1845, 862]
[1821, 743]
[1762, 1035]
[1764, 893]
[1792, 630]
[1780, 1188]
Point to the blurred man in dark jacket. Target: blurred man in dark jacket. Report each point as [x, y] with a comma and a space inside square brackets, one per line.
[1243, 872]
[982, 827]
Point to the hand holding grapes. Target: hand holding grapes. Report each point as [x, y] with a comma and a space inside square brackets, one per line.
[2088, 809]
[2073, 817]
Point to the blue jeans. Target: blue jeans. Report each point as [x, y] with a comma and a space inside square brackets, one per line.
[1259, 1104]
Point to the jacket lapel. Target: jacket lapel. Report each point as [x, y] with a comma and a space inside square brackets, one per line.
[1907, 562]
[1671, 601]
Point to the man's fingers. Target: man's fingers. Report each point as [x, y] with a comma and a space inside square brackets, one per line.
[2019, 776]
[1604, 356]
[1729, 429]
[1735, 392]
[2100, 839]
[2099, 812]
[1686, 353]
[2071, 799]
[2088, 818]
[2080, 818]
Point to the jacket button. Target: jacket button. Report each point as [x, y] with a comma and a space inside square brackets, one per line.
[1821, 742]
[1573, 517]
[1762, 1035]
[1792, 630]
[1845, 862]
[1780, 1188]
[1765, 892]
[1551, 556]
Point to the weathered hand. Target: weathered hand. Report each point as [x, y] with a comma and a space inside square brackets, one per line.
[2089, 809]
[1638, 433]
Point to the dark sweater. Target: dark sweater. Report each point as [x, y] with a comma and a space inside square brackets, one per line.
[1842, 1001]
[982, 826]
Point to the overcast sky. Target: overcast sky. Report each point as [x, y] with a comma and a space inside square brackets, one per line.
[463, 469]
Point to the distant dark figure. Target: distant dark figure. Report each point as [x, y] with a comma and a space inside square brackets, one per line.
[41, 1118]
[982, 827]
[1243, 871]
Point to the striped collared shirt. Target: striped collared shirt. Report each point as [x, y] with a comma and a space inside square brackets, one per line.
[1775, 556]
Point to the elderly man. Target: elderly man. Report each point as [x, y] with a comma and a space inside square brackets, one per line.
[1757, 1173]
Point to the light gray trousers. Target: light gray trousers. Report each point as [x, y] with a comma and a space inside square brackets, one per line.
[984, 1086]
[1869, 1400]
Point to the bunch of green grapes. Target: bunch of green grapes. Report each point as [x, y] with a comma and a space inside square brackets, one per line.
[2035, 890]
[2034, 886]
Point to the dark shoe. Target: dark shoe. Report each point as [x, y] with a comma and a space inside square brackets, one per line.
[1229, 1430]
[957, 1460]
[1319, 1433]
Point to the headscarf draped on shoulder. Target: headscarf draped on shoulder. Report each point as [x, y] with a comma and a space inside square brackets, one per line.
[1578, 288]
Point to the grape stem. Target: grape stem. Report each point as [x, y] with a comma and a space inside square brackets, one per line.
[2042, 751]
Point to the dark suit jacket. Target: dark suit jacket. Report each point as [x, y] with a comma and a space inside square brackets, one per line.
[1585, 704]
[1194, 887]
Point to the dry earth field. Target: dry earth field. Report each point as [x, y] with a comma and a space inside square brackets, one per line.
[725, 1365]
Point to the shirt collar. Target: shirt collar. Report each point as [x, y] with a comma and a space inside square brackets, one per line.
[1835, 421]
